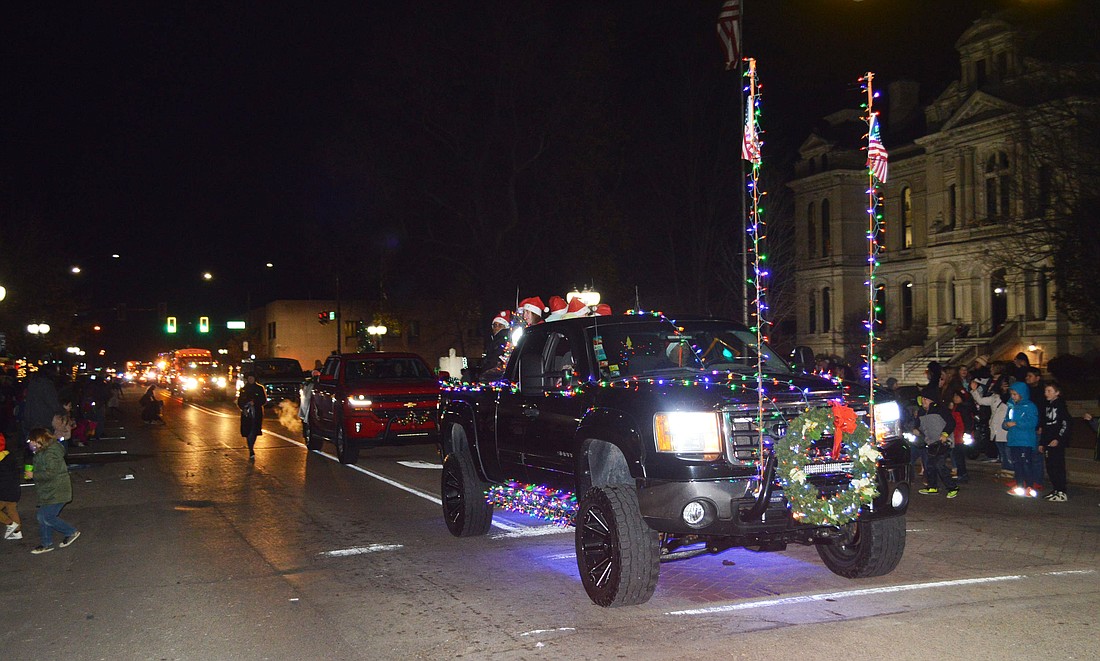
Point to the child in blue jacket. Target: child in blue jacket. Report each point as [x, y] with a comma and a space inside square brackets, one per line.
[1022, 423]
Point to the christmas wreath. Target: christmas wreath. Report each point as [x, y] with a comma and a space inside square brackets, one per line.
[797, 451]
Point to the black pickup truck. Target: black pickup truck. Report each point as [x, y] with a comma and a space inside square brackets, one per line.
[654, 425]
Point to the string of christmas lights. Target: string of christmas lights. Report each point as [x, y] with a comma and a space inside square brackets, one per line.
[751, 152]
[542, 502]
[877, 159]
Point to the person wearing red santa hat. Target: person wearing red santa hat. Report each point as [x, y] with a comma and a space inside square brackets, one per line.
[576, 308]
[531, 311]
[557, 308]
[602, 310]
[493, 363]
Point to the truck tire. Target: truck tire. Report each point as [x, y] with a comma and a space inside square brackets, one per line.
[618, 555]
[346, 451]
[873, 548]
[465, 510]
[313, 441]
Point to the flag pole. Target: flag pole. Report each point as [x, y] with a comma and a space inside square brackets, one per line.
[876, 173]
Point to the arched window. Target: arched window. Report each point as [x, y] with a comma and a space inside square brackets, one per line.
[826, 230]
[950, 307]
[906, 217]
[811, 230]
[826, 310]
[907, 305]
[811, 311]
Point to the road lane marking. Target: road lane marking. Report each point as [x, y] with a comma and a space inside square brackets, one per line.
[360, 550]
[421, 464]
[535, 632]
[533, 531]
[393, 483]
[381, 478]
[826, 596]
[89, 454]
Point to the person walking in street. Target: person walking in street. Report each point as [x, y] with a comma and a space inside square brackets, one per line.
[54, 489]
[933, 430]
[10, 472]
[962, 412]
[1054, 440]
[251, 402]
[1021, 421]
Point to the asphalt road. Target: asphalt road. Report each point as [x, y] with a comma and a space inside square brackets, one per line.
[188, 551]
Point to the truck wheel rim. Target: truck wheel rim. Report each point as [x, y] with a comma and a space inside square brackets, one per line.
[597, 544]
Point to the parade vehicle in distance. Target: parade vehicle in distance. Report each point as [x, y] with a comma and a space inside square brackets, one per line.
[281, 378]
[655, 427]
[365, 399]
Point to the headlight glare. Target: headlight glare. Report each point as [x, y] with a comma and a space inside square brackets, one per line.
[887, 420]
[685, 432]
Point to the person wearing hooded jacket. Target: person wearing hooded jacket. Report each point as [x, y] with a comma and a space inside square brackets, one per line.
[1022, 421]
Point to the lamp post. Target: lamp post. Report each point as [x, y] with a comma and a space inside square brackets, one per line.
[376, 333]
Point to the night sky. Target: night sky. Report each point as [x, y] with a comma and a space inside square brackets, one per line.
[465, 149]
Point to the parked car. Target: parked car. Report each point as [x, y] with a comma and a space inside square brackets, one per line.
[366, 399]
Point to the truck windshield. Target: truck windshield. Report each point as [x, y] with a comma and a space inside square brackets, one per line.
[627, 350]
[387, 368]
[722, 347]
[266, 369]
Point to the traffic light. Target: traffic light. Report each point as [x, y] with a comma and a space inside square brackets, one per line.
[332, 315]
[322, 317]
[204, 324]
[170, 325]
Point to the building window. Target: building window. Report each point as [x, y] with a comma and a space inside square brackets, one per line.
[1045, 189]
[1036, 294]
[907, 305]
[952, 206]
[824, 162]
[271, 330]
[998, 186]
[811, 230]
[812, 312]
[950, 304]
[906, 217]
[980, 74]
[414, 330]
[826, 232]
[813, 165]
[826, 310]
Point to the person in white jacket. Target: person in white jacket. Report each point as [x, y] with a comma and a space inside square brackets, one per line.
[997, 401]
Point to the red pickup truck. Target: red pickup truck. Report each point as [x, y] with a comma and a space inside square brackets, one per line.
[365, 399]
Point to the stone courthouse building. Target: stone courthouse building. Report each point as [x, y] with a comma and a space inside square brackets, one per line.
[965, 179]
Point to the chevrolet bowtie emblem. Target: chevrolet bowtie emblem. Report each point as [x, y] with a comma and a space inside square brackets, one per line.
[409, 405]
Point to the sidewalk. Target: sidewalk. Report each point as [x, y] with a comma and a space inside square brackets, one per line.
[1081, 469]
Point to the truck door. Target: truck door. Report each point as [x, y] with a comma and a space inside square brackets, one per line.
[325, 406]
[551, 433]
[517, 408]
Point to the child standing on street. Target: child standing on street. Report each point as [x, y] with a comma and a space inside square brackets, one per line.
[10, 471]
[1054, 441]
[933, 430]
[54, 488]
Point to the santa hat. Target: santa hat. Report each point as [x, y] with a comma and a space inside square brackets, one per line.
[577, 308]
[504, 318]
[557, 308]
[533, 304]
[602, 310]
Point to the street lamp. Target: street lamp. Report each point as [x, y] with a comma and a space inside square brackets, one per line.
[376, 333]
[588, 297]
[38, 329]
[3, 293]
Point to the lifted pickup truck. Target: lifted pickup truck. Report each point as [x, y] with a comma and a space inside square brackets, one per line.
[655, 427]
[365, 399]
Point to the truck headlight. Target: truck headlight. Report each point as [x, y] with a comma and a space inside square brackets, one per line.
[685, 432]
[887, 420]
[221, 382]
[190, 383]
[359, 401]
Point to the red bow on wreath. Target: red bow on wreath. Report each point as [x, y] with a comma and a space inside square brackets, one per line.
[844, 422]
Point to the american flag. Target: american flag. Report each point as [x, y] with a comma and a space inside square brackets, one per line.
[750, 143]
[729, 30]
[876, 153]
